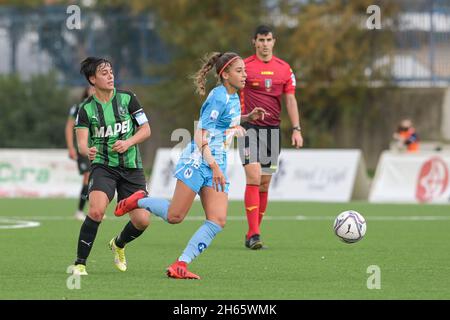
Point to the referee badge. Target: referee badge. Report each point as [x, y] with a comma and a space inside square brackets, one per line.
[268, 84]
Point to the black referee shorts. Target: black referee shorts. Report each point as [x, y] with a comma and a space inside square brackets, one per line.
[261, 145]
[109, 179]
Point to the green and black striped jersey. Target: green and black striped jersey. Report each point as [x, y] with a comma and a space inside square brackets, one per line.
[108, 122]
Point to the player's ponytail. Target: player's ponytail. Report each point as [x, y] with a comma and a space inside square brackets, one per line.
[208, 62]
[221, 61]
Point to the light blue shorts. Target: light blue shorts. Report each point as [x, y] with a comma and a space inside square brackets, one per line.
[197, 176]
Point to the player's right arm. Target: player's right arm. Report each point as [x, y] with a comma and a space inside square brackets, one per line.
[209, 116]
[83, 147]
[82, 140]
[82, 133]
[201, 139]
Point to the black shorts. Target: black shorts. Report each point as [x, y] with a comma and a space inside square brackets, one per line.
[109, 179]
[84, 165]
[261, 145]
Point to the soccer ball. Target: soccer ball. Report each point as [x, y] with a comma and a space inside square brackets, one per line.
[350, 226]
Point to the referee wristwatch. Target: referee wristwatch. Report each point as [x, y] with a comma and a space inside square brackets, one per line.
[297, 128]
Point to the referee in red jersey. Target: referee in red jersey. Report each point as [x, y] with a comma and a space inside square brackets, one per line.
[269, 79]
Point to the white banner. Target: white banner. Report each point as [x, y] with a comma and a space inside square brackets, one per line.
[416, 178]
[38, 173]
[305, 174]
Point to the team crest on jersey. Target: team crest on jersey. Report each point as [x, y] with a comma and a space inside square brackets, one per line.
[268, 84]
[122, 110]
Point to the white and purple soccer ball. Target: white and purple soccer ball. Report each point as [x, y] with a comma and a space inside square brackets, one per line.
[350, 226]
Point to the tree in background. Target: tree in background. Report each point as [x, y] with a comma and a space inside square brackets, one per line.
[33, 113]
[326, 42]
[334, 53]
[191, 29]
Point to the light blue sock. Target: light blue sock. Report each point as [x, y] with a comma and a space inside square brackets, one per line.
[157, 206]
[200, 241]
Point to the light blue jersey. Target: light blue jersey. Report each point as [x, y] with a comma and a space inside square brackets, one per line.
[220, 115]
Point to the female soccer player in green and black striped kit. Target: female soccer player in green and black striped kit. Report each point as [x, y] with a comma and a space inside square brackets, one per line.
[109, 125]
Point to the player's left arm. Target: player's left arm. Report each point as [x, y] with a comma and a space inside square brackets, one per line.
[292, 109]
[143, 132]
[140, 120]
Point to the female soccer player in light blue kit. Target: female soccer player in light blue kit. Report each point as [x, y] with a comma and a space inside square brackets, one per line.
[202, 165]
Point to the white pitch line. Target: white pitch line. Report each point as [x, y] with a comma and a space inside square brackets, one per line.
[17, 224]
[12, 219]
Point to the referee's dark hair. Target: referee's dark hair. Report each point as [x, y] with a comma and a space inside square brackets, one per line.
[263, 30]
[90, 64]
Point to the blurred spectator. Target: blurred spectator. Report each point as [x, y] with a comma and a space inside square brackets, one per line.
[405, 138]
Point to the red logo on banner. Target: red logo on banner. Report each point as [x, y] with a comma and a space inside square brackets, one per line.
[433, 180]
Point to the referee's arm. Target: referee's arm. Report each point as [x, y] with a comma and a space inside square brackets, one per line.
[292, 109]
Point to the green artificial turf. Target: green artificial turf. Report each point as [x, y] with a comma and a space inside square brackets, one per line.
[304, 259]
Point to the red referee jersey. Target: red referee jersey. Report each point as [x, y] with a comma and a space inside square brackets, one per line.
[266, 83]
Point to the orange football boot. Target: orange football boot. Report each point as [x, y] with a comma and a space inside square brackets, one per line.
[129, 204]
[178, 270]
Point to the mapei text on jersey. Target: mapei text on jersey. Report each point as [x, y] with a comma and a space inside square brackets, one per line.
[119, 128]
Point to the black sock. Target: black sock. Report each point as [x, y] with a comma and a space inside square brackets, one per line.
[83, 197]
[86, 239]
[128, 234]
